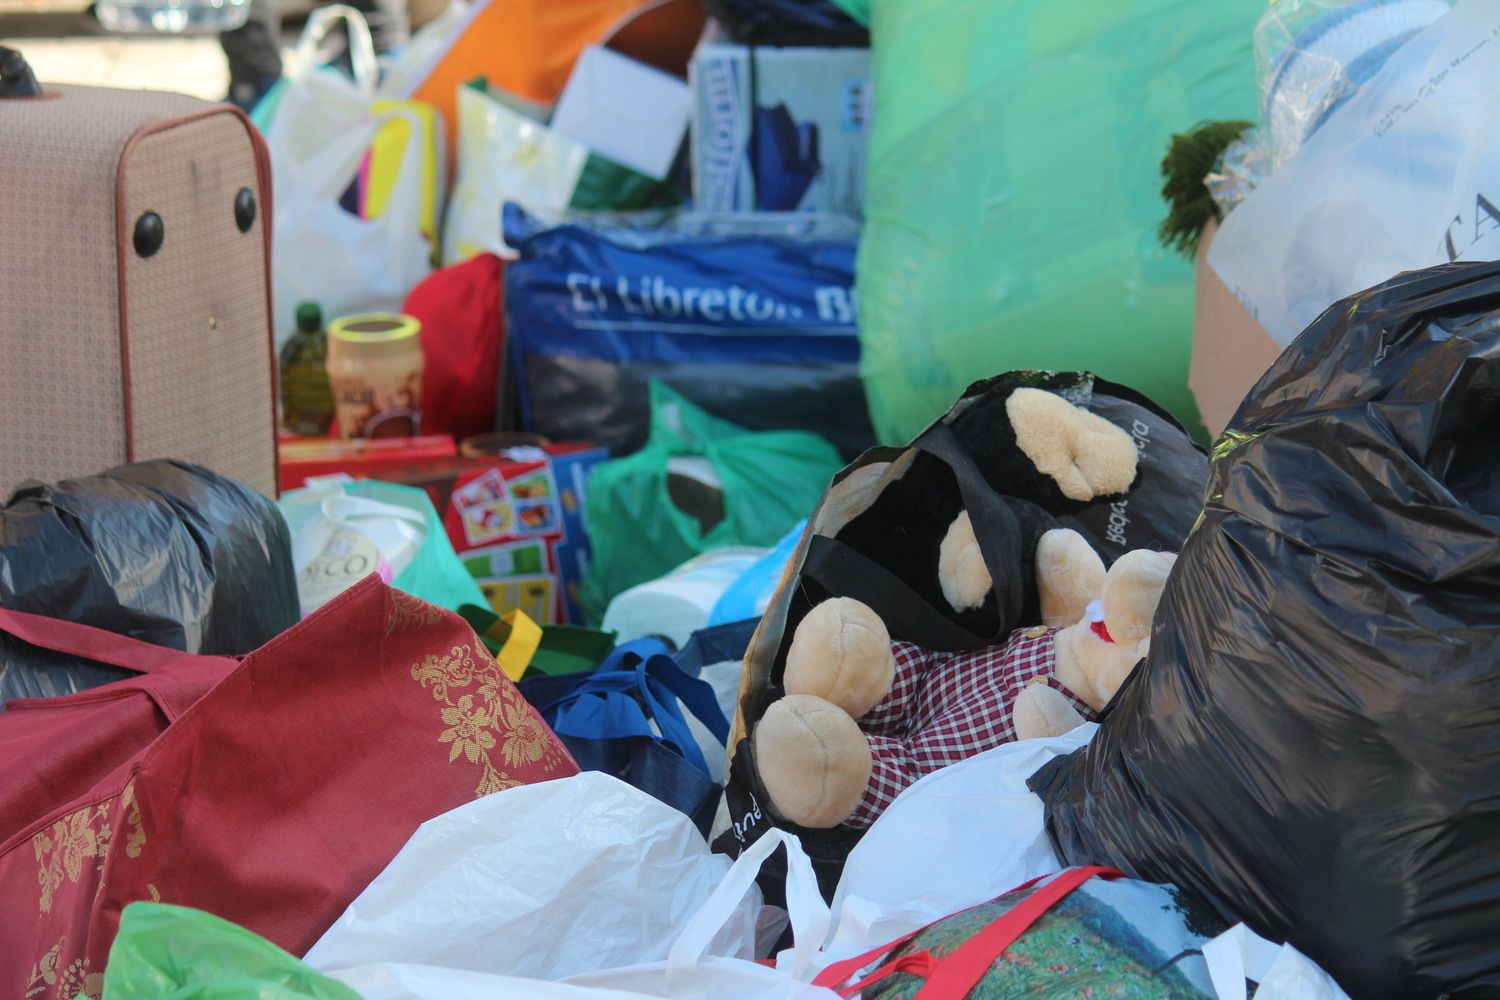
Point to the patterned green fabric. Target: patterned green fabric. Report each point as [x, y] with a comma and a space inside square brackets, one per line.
[1085, 946]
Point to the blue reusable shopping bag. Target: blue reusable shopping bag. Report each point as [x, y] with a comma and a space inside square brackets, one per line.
[625, 719]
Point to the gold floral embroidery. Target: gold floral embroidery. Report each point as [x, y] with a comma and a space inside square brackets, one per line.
[481, 711]
[467, 731]
[44, 972]
[135, 832]
[454, 668]
[65, 848]
[409, 612]
[527, 738]
[493, 781]
[78, 981]
[67, 983]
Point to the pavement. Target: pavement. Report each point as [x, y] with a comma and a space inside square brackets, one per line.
[69, 47]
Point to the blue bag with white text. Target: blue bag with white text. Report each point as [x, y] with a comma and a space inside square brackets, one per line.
[751, 317]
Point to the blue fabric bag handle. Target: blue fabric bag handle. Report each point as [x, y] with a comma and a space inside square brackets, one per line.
[639, 684]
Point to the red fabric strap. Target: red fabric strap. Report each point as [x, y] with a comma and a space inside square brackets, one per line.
[97, 645]
[961, 971]
[918, 963]
[840, 972]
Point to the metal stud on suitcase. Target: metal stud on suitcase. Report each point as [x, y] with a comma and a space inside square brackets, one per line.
[134, 292]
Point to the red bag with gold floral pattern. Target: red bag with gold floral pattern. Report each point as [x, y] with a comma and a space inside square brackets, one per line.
[268, 790]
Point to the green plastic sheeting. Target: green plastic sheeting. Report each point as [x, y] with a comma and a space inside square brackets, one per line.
[770, 481]
[1013, 192]
[177, 953]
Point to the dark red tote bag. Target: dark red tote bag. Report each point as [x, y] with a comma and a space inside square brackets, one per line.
[268, 790]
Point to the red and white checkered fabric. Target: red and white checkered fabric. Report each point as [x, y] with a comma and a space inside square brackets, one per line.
[947, 707]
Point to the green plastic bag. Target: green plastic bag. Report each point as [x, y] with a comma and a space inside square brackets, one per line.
[561, 649]
[1012, 195]
[770, 481]
[177, 953]
[342, 533]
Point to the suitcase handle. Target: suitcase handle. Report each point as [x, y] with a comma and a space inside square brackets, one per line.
[16, 77]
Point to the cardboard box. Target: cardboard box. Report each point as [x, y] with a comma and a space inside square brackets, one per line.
[625, 110]
[1231, 351]
[779, 130]
[517, 522]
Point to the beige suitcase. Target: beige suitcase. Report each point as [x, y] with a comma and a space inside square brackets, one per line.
[134, 284]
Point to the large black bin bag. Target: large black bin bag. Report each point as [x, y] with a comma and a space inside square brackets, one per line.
[1313, 743]
[161, 551]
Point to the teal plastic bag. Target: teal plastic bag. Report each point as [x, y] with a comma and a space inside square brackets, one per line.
[344, 532]
[770, 481]
[1012, 197]
[177, 953]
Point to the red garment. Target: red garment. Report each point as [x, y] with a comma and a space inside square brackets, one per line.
[271, 798]
[946, 707]
[463, 333]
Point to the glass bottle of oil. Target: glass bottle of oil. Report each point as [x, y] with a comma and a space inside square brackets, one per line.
[306, 398]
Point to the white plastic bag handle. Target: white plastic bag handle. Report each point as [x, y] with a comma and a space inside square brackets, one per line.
[344, 508]
[809, 914]
[399, 535]
[1283, 972]
[361, 45]
[326, 175]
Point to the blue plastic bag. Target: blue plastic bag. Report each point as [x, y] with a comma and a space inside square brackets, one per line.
[750, 317]
[749, 595]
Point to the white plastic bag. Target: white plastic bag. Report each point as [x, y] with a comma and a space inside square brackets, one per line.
[1281, 972]
[678, 604]
[503, 155]
[401, 981]
[405, 69]
[695, 968]
[575, 872]
[318, 136]
[1400, 177]
[325, 254]
[959, 837]
[315, 103]
[542, 881]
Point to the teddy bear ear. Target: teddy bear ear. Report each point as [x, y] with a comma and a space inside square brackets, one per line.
[1084, 454]
[1132, 590]
[1069, 575]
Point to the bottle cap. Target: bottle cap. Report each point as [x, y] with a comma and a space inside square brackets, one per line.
[309, 317]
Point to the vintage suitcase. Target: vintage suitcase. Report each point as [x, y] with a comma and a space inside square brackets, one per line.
[134, 303]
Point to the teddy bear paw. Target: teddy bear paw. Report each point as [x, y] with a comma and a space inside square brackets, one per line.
[1040, 711]
[841, 653]
[964, 577]
[813, 761]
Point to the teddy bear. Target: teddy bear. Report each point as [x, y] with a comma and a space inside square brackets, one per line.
[863, 715]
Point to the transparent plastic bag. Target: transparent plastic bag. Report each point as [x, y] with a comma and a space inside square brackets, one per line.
[1311, 56]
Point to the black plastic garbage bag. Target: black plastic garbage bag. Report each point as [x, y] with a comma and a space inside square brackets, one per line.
[1313, 744]
[788, 22]
[161, 551]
